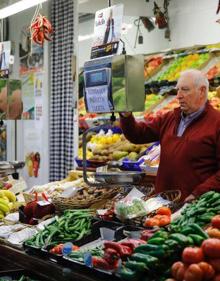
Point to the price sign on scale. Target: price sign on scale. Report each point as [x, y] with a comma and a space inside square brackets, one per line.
[98, 99]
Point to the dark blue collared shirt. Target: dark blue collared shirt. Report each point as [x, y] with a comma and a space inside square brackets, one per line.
[186, 120]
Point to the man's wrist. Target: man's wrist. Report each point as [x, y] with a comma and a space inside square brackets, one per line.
[125, 114]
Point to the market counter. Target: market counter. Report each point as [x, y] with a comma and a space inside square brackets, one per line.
[46, 269]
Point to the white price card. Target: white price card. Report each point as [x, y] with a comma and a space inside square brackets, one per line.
[97, 99]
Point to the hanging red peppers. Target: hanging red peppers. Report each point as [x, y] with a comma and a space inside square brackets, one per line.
[41, 29]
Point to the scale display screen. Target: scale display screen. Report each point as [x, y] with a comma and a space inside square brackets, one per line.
[96, 77]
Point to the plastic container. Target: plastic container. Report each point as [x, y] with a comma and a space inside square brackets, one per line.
[130, 165]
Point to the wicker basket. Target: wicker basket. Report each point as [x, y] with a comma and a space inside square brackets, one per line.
[172, 195]
[62, 203]
[147, 189]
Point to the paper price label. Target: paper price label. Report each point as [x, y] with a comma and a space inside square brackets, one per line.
[98, 100]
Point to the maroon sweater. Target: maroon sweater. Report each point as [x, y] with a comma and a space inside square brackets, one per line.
[191, 162]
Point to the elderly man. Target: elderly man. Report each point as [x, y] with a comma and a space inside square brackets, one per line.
[189, 137]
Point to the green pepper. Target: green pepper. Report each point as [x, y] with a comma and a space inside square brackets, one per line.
[199, 231]
[136, 265]
[216, 203]
[197, 239]
[159, 253]
[207, 195]
[214, 198]
[186, 230]
[180, 238]
[190, 241]
[128, 274]
[206, 218]
[151, 262]
[145, 248]
[160, 234]
[156, 241]
[171, 243]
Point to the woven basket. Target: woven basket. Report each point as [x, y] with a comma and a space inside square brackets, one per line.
[62, 203]
[171, 195]
[147, 189]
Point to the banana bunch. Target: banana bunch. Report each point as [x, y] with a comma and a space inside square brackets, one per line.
[7, 200]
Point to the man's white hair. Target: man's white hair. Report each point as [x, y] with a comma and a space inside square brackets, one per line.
[198, 77]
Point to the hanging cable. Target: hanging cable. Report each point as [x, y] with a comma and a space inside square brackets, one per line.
[138, 36]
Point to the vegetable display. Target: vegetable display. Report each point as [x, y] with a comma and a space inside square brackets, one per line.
[199, 264]
[72, 226]
[166, 246]
[200, 212]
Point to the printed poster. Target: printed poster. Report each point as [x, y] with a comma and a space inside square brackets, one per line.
[107, 31]
[5, 52]
[31, 55]
[28, 96]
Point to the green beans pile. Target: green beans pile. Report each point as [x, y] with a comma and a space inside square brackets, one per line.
[71, 226]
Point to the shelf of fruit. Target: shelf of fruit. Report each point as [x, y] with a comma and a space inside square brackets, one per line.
[152, 65]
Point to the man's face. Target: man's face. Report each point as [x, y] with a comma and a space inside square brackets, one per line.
[190, 97]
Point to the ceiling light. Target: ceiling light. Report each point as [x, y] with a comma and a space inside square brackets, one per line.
[85, 37]
[18, 7]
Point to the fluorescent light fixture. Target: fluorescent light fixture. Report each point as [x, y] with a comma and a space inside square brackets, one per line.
[85, 37]
[18, 7]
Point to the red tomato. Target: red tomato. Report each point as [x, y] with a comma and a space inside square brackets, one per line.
[164, 211]
[178, 270]
[192, 255]
[217, 278]
[75, 248]
[208, 271]
[151, 222]
[164, 220]
[211, 247]
[216, 221]
[193, 273]
[215, 263]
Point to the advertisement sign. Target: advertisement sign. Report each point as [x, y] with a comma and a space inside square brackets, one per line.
[107, 31]
[5, 52]
[11, 105]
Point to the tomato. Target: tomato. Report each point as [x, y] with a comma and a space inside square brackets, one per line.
[211, 248]
[213, 232]
[75, 248]
[192, 255]
[193, 273]
[151, 222]
[164, 220]
[178, 270]
[53, 251]
[208, 271]
[215, 263]
[217, 278]
[216, 221]
[164, 211]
